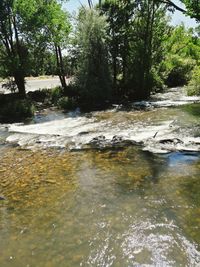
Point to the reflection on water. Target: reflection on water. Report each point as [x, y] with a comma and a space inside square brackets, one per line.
[111, 208]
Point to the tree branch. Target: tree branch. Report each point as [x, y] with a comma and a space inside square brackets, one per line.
[170, 3]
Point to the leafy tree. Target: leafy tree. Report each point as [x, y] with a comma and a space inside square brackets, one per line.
[194, 84]
[93, 76]
[138, 31]
[183, 53]
[150, 30]
[58, 28]
[14, 52]
[119, 17]
[28, 28]
[193, 8]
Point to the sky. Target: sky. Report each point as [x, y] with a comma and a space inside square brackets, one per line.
[177, 17]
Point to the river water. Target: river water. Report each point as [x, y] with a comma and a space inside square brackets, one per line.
[101, 203]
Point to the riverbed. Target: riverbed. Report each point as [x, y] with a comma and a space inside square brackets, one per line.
[113, 188]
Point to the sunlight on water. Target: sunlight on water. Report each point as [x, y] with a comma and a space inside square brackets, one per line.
[92, 208]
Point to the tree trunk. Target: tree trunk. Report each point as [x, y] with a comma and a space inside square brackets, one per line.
[114, 72]
[144, 90]
[60, 67]
[19, 77]
[20, 82]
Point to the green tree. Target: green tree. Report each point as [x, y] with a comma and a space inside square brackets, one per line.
[194, 84]
[93, 76]
[119, 17]
[150, 29]
[58, 29]
[138, 30]
[29, 28]
[14, 53]
[183, 53]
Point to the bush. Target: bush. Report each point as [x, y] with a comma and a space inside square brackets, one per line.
[194, 84]
[56, 94]
[39, 95]
[179, 71]
[16, 110]
[67, 103]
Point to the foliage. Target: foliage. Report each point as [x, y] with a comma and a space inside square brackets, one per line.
[178, 70]
[183, 53]
[138, 31]
[55, 94]
[93, 76]
[194, 84]
[67, 103]
[15, 110]
[193, 8]
[27, 30]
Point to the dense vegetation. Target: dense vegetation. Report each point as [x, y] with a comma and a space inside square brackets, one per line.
[117, 51]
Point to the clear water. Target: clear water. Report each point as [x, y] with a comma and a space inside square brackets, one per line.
[99, 208]
[119, 208]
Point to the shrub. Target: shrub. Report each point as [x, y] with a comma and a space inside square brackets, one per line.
[67, 103]
[16, 110]
[56, 94]
[193, 87]
[179, 71]
[39, 95]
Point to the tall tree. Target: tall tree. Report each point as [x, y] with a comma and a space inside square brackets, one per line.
[93, 76]
[26, 25]
[14, 54]
[58, 29]
[138, 31]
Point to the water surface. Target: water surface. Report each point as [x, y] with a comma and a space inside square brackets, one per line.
[99, 208]
[106, 203]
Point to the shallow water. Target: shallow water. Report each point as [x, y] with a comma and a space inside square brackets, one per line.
[109, 208]
[159, 130]
[106, 203]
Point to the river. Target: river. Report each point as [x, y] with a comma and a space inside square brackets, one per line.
[113, 188]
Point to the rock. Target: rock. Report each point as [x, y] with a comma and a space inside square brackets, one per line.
[2, 198]
[117, 139]
[98, 139]
[83, 133]
[171, 141]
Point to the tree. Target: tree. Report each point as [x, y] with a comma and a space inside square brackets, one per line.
[14, 53]
[58, 29]
[120, 17]
[93, 76]
[138, 31]
[30, 26]
[182, 54]
[147, 48]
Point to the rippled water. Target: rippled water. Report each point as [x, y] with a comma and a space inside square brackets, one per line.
[91, 208]
[104, 205]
